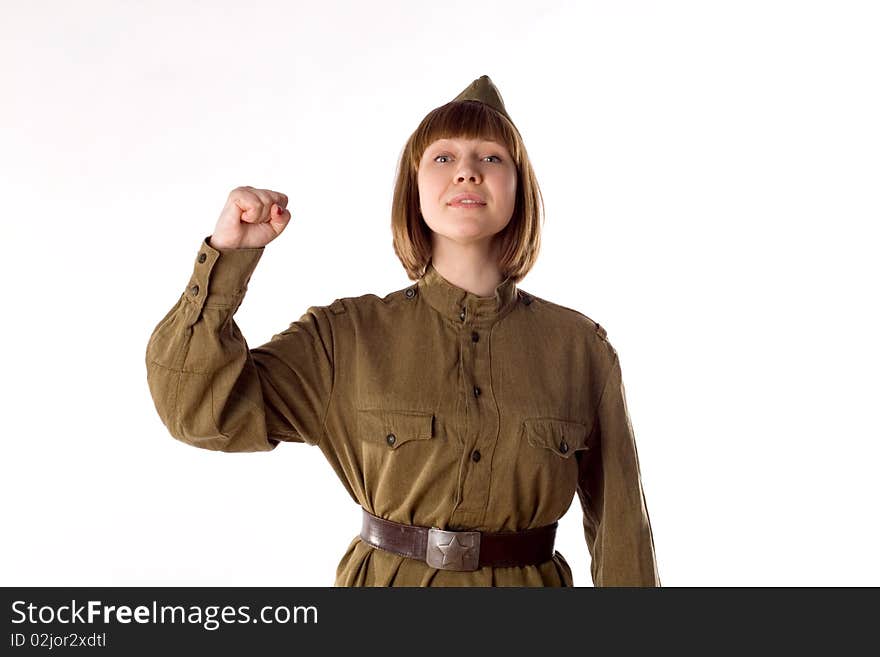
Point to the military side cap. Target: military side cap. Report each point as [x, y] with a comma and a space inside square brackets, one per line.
[485, 91]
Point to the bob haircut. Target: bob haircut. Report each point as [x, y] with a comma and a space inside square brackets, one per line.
[519, 242]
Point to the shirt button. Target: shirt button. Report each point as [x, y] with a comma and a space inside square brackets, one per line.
[202, 257]
[194, 290]
[462, 314]
[410, 293]
[475, 336]
[390, 438]
[527, 299]
[476, 391]
[475, 455]
[563, 447]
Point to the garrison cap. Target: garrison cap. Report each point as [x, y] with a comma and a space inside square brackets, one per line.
[485, 91]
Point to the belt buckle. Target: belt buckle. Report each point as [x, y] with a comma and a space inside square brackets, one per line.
[453, 550]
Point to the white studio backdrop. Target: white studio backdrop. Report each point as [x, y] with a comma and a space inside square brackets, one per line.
[710, 175]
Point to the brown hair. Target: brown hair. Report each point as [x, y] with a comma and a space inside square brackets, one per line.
[519, 242]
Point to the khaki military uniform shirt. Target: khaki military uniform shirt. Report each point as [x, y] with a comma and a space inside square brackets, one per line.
[503, 408]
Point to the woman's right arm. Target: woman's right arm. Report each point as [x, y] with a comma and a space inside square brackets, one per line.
[211, 390]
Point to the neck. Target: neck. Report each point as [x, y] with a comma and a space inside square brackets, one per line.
[468, 267]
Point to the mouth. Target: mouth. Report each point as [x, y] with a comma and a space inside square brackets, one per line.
[466, 199]
[469, 205]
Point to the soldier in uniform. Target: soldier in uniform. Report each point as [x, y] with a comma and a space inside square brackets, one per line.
[462, 413]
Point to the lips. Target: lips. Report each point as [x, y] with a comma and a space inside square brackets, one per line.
[467, 197]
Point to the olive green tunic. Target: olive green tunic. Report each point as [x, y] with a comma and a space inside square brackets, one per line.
[503, 408]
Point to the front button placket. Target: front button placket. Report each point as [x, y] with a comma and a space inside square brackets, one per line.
[471, 319]
[477, 315]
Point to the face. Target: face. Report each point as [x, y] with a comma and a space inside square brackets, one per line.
[450, 167]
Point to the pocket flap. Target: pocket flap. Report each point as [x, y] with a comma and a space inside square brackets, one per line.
[395, 428]
[563, 437]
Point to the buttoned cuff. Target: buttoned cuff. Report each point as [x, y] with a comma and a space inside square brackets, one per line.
[219, 278]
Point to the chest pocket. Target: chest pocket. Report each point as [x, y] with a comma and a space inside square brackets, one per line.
[395, 429]
[561, 437]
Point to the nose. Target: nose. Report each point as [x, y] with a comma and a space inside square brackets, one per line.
[466, 171]
[469, 168]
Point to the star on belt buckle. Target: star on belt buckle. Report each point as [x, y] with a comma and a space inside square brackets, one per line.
[453, 550]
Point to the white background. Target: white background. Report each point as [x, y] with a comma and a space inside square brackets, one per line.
[710, 172]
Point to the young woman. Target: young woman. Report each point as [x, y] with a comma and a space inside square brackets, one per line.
[461, 413]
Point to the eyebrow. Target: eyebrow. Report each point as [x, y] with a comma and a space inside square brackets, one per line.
[479, 143]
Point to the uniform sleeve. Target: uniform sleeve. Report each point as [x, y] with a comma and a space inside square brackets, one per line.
[213, 392]
[616, 521]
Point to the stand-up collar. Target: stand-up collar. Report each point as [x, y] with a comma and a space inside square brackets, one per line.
[462, 306]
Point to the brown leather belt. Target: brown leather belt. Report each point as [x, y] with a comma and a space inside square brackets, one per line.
[460, 550]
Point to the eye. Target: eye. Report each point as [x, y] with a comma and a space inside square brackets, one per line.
[447, 156]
